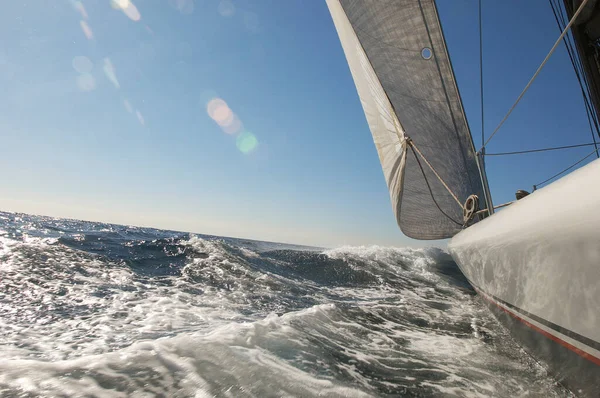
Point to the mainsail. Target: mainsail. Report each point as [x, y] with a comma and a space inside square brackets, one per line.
[400, 66]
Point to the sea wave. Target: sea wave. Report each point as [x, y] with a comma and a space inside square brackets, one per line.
[91, 309]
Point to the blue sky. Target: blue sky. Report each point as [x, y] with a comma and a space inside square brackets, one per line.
[104, 114]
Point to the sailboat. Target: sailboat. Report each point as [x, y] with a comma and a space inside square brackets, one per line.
[536, 261]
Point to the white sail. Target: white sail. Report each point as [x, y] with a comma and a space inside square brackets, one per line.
[400, 66]
[387, 133]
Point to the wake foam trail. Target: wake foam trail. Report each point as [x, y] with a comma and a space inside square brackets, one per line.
[236, 360]
[106, 310]
[320, 351]
[59, 303]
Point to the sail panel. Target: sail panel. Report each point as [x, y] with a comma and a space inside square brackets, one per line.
[402, 43]
[388, 135]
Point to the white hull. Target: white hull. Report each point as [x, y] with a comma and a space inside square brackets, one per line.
[537, 263]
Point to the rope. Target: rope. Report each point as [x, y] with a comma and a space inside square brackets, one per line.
[414, 147]
[504, 205]
[565, 170]
[537, 72]
[482, 211]
[540, 150]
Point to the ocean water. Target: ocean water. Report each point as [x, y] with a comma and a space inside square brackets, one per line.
[102, 310]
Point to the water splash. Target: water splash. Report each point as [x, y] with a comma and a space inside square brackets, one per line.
[108, 310]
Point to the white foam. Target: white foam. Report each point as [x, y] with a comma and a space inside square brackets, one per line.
[232, 360]
[204, 333]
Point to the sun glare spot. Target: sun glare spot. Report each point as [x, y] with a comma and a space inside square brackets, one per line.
[132, 12]
[246, 142]
[86, 82]
[82, 64]
[183, 6]
[226, 8]
[140, 118]
[109, 71]
[87, 31]
[128, 9]
[119, 4]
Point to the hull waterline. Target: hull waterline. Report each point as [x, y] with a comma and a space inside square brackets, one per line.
[537, 266]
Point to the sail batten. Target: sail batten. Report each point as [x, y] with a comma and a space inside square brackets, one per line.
[400, 65]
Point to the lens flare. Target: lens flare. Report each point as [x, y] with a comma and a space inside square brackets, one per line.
[87, 31]
[222, 114]
[128, 9]
[82, 64]
[79, 7]
[219, 111]
[86, 82]
[132, 12]
[127, 106]
[233, 127]
[246, 142]
[226, 8]
[109, 71]
[140, 118]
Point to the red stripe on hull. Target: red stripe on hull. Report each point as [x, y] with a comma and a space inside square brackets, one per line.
[552, 337]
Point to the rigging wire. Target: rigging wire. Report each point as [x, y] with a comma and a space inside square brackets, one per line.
[565, 170]
[578, 68]
[575, 60]
[540, 150]
[537, 72]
